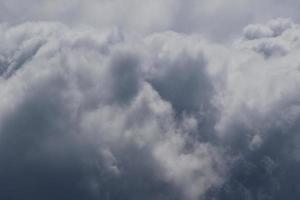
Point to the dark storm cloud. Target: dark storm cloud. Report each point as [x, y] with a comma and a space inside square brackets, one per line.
[181, 73]
[94, 113]
[79, 118]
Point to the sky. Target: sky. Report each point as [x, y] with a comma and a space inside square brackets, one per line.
[149, 99]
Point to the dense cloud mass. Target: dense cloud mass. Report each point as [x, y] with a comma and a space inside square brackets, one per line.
[142, 105]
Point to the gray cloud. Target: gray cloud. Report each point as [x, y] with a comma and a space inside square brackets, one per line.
[80, 117]
[218, 20]
[259, 120]
[100, 113]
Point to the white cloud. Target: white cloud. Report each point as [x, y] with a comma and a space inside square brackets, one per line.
[263, 78]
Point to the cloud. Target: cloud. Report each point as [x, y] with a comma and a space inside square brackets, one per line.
[215, 19]
[105, 113]
[81, 115]
[259, 113]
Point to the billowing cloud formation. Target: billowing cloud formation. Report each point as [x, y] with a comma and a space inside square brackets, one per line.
[90, 114]
[259, 105]
[80, 117]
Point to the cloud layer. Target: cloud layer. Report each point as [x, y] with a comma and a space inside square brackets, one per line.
[107, 114]
[218, 20]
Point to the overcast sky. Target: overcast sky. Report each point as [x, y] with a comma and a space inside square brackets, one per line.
[214, 18]
[149, 99]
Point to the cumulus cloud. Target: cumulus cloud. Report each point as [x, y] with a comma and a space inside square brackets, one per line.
[80, 106]
[259, 113]
[106, 113]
